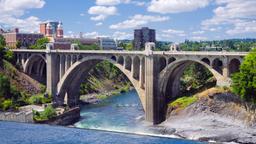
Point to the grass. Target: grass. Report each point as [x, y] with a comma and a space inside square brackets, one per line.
[183, 102]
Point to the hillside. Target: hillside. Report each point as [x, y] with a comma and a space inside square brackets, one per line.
[21, 81]
[104, 77]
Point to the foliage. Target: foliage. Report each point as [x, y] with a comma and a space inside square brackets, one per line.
[2, 47]
[47, 114]
[163, 46]
[194, 77]
[87, 47]
[183, 102]
[227, 45]
[102, 70]
[40, 44]
[42, 88]
[18, 44]
[39, 99]
[244, 82]
[9, 56]
[126, 45]
[5, 86]
[7, 104]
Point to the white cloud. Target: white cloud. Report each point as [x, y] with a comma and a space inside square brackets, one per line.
[238, 15]
[99, 24]
[138, 20]
[174, 32]
[11, 12]
[138, 3]
[93, 35]
[198, 32]
[102, 12]
[111, 2]
[199, 38]
[82, 14]
[176, 6]
[121, 35]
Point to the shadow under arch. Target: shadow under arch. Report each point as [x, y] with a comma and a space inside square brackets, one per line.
[71, 81]
[35, 67]
[170, 77]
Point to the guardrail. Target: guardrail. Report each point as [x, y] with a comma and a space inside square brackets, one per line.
[223, 53]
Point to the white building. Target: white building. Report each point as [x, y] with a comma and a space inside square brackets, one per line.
[107, 43]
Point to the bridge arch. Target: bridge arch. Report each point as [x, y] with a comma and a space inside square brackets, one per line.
[70, 83]
[234, 66]
[217, 64]
[169, 81]
[35, 66]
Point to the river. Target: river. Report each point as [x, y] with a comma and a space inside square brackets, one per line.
[117, 113]
[121, 113]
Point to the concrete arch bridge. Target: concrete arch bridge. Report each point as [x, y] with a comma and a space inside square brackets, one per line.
[154, 74]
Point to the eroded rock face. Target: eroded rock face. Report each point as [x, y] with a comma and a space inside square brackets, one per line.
[220, 118]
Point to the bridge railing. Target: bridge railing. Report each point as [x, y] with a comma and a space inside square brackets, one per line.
[206, 53]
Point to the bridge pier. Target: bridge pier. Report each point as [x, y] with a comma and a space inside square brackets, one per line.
[155, 104]
[52, 69]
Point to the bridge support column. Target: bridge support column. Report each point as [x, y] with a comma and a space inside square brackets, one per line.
[142, 73]
[155, 105]
[132, 67]
[52, 68]
[62, 65]
[225, 68]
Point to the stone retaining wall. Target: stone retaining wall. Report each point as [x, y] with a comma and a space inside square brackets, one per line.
[26, 117]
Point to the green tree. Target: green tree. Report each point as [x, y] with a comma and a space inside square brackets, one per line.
[40, 44]
[2, 46]
[244, 82]
[18, 44]
[5, 86]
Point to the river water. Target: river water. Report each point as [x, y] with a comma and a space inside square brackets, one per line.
[120, 113]
[117, 113]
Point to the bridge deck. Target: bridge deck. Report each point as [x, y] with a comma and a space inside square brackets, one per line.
[204, 53]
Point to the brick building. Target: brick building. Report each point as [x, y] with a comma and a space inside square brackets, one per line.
[25, 39]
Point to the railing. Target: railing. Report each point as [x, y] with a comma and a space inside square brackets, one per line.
[206, 53]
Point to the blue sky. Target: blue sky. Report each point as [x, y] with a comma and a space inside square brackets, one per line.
[174, 20]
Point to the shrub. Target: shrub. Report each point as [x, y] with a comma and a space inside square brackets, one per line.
[7, 104]
[39, 99]
[244, 82]
[4, 86]
[9, 56]
[47, 114]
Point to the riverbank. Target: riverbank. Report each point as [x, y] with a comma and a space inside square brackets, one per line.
[216, 117]
[95, 98]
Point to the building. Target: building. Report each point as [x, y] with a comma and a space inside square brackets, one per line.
[25, 39]
[107, 44]
[1, 31]
[143, 35]
[52, 29]
[83, 41]
[175, 47]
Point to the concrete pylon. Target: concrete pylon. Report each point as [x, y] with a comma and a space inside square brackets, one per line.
[155, 105]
